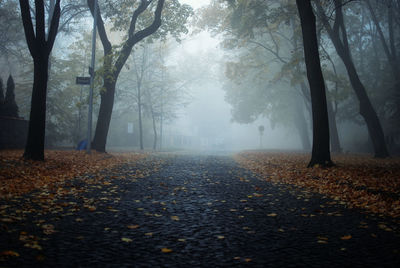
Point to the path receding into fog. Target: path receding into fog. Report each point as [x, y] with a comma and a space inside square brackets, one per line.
[193, 211]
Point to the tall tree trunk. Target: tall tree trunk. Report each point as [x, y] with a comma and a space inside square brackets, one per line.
[338, 35]
[112, 72]
[104, 119]
[40, 47]
[34, 148]
[320, 149]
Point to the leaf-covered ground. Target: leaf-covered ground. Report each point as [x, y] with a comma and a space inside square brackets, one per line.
[188, 211]
[18, 176]
[357, 181]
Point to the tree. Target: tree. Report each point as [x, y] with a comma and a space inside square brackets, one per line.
[10, 106]
[1, 97]
[11, 33]
[39, 47]
[115, 59]
[320, 149]
[338, 35]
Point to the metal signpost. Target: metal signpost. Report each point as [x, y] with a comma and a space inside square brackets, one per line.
[89, 130]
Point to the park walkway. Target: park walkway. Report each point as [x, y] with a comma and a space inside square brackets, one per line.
[189, 211]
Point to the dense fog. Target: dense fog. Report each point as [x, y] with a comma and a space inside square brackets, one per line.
[212, 76]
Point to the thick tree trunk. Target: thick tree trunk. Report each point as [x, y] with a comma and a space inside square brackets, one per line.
[103, 121]
[320, 149]
[112, 72]
[34, 148]
[333, 131]
[40, 49]
[367, 111]
[338, 35]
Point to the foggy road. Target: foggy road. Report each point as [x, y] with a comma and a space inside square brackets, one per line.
[194, 210]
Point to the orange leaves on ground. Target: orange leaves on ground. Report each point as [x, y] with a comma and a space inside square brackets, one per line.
[346, 237]
[18, 176]
[10, 253]
[166, 250]
[357, 180]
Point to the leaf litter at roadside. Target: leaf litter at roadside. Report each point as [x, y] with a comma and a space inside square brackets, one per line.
[18, 176]
[357, 181]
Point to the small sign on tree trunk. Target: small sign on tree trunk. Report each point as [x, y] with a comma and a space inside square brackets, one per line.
[82, 80]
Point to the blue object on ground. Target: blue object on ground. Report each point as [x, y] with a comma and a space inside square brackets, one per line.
[82, 145]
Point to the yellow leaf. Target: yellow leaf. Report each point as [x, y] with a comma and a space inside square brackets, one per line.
[127, 240]
[182, 240]
[166, 250]
[346, 237]
[133, 226]
[175, 218]
[247, 260]
[272, 215]
[220, 237]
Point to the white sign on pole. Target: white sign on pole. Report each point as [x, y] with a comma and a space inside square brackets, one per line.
[130, 128]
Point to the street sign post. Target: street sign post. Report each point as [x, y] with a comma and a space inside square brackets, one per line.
[82, 80]
[91, 68]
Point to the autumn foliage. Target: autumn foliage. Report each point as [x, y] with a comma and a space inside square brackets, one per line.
[19, 176]
[357, 181]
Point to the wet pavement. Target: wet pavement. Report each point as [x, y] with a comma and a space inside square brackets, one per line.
[189, 211]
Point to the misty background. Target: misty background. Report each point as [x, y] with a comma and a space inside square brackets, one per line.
[191, 93]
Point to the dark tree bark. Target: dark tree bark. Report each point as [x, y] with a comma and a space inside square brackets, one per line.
[1, 97]
[40, 49]
[111, 73]
[320, 149]
[338, 35]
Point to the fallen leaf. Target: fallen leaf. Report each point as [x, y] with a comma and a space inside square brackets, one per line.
[133, 226]
[175, 218]
[166, 250]
[346, 237]
[9, 253]
[127, 240]
[272, 215]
